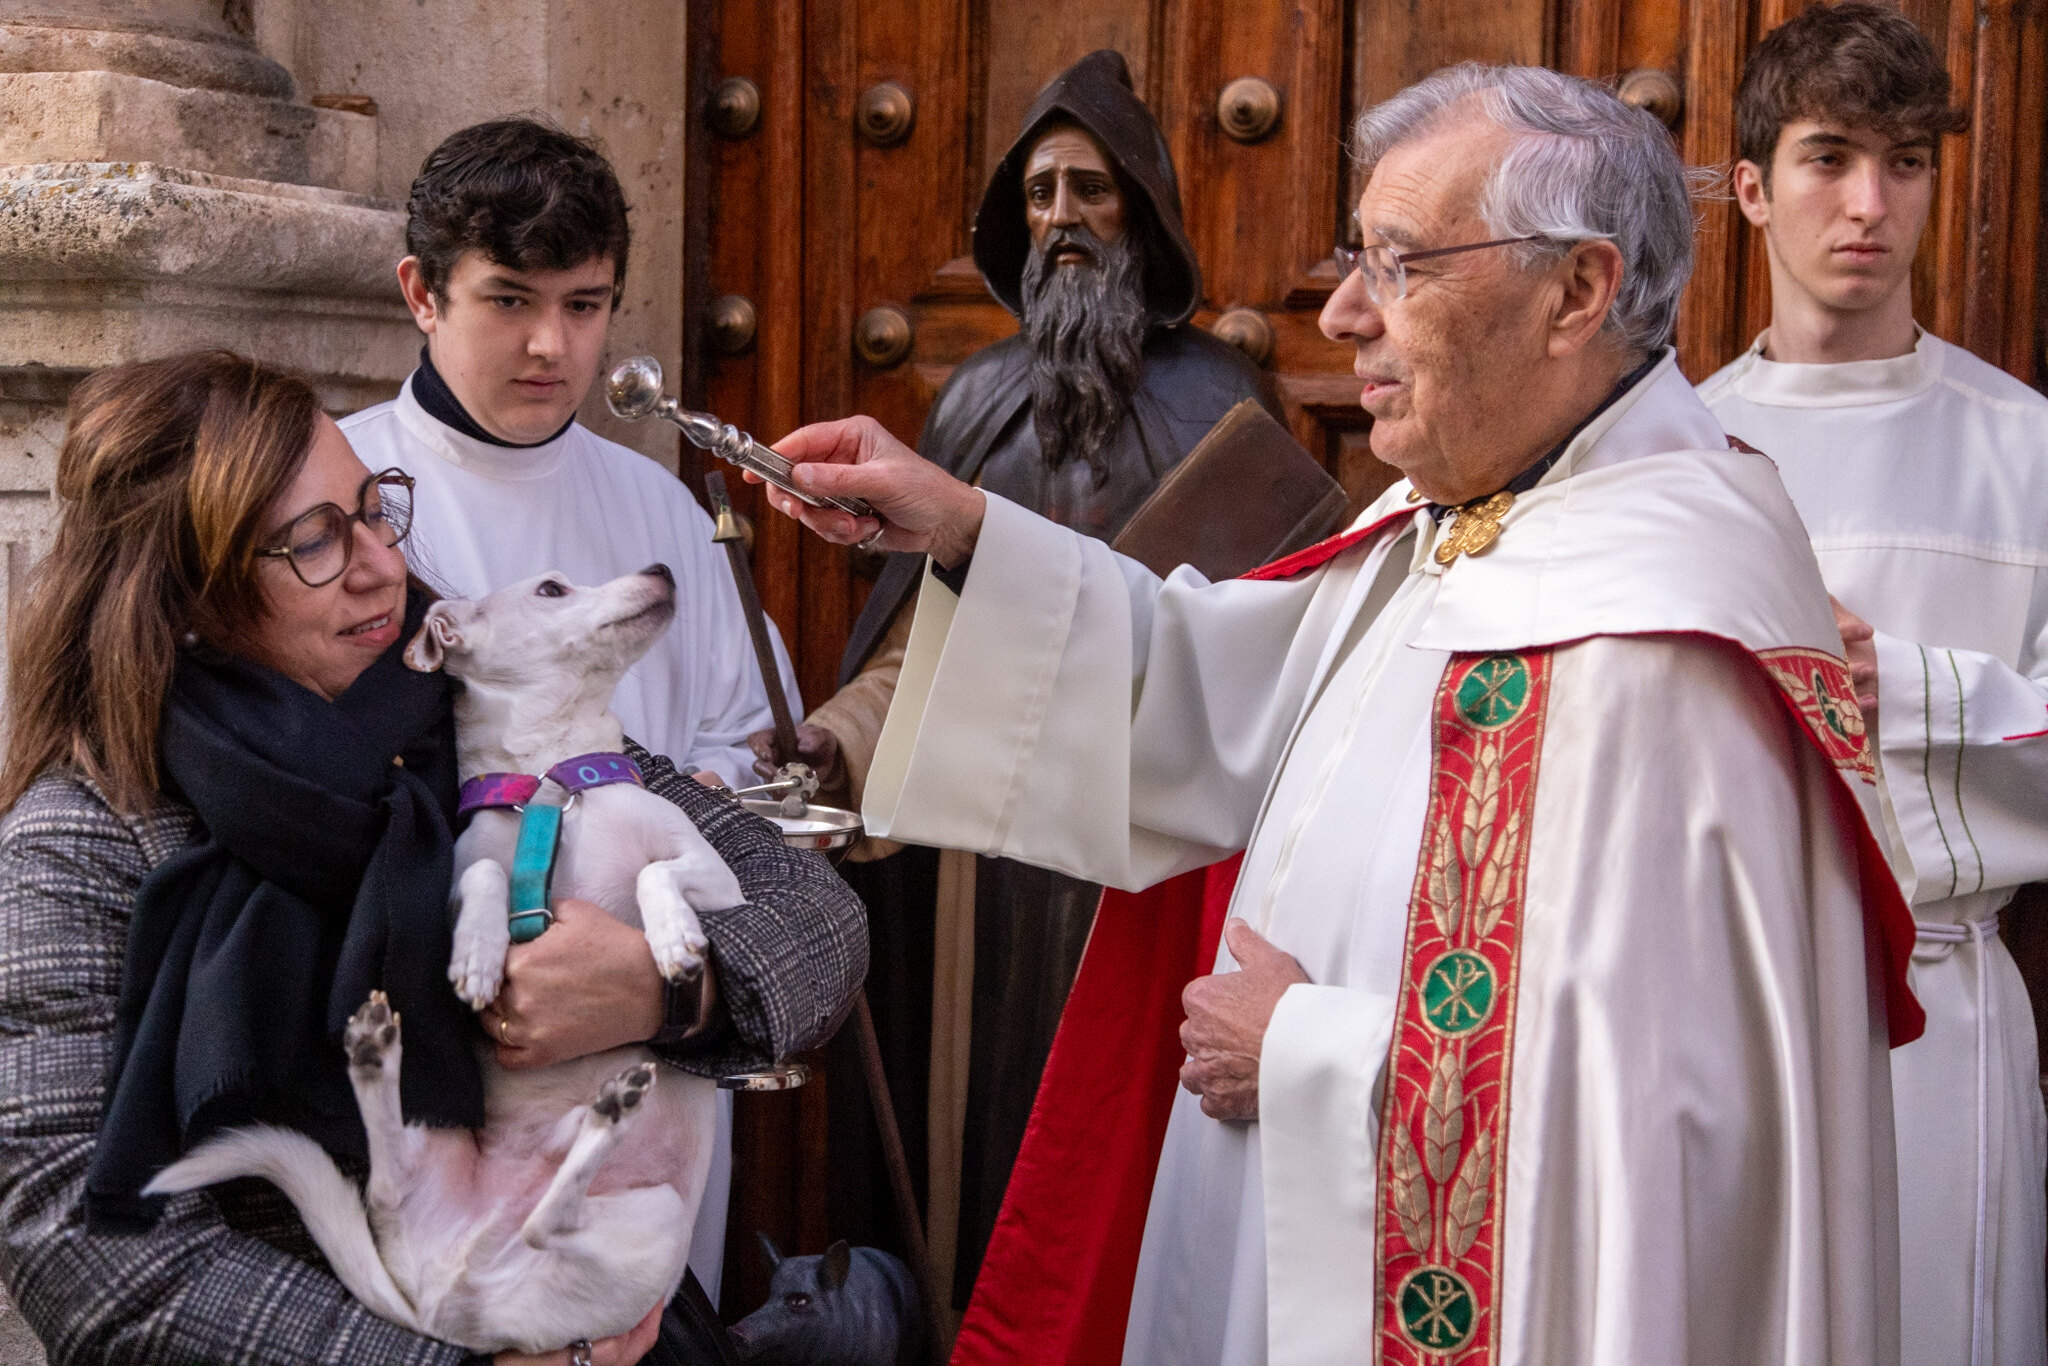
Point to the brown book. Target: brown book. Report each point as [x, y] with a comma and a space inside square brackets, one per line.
[1244, 496]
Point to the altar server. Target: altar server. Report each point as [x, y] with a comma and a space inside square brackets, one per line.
[1922, 473]
[1551, 1025]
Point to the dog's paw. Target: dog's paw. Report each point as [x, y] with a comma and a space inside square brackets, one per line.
[673, 931]
[622, 1095]
[679, 955]
[476, 976]
[483, 934]
[372, 1034]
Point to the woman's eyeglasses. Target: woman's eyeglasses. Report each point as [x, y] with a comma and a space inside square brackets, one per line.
[1386, 277]
[319, 543]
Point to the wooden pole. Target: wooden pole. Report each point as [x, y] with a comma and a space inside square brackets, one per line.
[899, 1176]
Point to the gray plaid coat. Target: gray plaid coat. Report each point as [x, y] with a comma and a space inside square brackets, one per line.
[229, 1275]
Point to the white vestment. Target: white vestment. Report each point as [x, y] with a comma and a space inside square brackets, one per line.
[1924, 481]
[1697, 1164]
[485, 516]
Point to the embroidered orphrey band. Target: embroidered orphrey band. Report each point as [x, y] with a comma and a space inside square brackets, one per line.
[1816, 685]
[1444, 1140]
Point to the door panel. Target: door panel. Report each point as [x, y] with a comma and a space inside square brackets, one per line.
[1021, 45]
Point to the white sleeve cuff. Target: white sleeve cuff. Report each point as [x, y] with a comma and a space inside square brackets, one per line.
[1319, 1087]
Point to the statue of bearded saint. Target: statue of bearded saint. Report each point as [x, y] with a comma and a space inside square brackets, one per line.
[1085, 319]
[1104, 389]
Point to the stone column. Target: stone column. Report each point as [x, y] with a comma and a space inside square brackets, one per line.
[164, 187]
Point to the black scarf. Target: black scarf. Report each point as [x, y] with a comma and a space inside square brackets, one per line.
[323, 873]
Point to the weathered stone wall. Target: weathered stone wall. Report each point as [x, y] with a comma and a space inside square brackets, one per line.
[186, 173]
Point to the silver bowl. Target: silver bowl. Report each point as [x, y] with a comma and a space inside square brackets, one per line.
[820, 827]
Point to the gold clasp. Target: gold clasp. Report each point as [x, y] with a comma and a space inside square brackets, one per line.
[1474, 527]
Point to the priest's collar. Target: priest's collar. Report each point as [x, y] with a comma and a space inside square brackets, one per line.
[1844, 384]
[429, 411]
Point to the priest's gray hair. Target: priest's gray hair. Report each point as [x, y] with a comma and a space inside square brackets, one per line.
[1583, 165]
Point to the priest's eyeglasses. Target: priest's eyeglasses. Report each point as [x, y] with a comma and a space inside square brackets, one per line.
[1386, 274]
[320, 542]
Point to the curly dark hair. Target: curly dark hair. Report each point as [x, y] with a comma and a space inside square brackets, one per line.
[525, 194]
[1859, 63]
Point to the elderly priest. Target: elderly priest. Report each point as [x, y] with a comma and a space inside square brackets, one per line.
[1550, 1025]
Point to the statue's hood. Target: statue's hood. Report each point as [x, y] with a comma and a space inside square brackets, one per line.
[1095, 93]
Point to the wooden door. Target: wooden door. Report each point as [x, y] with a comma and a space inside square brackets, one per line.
[834, 236]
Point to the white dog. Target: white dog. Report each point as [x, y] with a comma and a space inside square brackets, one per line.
[569, 1214]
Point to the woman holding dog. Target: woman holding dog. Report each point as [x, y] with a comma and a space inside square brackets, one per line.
[229, 810]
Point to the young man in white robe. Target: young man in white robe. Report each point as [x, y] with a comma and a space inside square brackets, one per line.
[1922, 473]
[517, 235]
[1552, 1022]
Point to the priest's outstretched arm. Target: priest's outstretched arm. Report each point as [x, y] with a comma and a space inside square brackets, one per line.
[1065, 707]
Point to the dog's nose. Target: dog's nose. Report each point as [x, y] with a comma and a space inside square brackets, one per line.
[661, 571]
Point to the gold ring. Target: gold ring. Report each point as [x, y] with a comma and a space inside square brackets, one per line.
[504, 1031]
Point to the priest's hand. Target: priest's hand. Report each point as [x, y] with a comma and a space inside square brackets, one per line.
[815, 746]
[925, 510]
[587, 985]
[1226, 1024]
[1859, 646]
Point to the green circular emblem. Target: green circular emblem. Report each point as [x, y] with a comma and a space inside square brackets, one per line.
[1832, 711]
[1438, 1312]
[1493, 692]
[1458, 992]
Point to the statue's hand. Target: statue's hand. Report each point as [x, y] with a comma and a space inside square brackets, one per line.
[923, 509]
[815, 746]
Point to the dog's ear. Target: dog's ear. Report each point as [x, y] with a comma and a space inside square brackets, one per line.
[838, 1262]
[768, 1246]
[438, 633]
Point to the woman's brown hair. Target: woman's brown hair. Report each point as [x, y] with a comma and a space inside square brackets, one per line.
[167, 469]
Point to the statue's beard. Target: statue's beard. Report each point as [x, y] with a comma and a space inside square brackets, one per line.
[1086, 326]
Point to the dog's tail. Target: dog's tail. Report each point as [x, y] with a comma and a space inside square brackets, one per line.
[326, 1200]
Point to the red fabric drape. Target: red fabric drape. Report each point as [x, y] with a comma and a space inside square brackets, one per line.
[1055, 1285]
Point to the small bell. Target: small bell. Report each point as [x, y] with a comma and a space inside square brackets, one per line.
[728, 526]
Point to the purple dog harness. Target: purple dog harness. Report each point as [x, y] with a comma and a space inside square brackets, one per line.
[540, 827]
[515, 790]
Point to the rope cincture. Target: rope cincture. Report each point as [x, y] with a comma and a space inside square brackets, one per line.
[1974, 932]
